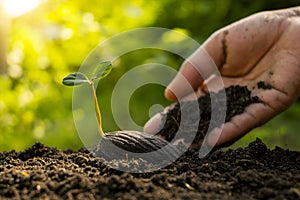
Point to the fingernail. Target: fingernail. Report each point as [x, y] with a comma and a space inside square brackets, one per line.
[170, 95]
[154, 124]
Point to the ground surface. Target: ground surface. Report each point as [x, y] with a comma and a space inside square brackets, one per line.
[254, 172]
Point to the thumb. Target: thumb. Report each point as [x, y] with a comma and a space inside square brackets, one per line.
[194, 70]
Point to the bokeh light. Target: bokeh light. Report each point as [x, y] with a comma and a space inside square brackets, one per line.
[15, 8]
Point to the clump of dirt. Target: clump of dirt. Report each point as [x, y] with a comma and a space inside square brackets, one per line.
[253, 172]
[264, 85]
[237, 99]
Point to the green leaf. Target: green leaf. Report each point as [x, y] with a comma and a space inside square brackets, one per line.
[102, 70]
[76, 78]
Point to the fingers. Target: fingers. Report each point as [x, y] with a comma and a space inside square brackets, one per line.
[197, 68]
[254, 115]
[273, 102]
[154, 125]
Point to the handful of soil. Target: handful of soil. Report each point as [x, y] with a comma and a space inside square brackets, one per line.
[129, 144]
[237, 99]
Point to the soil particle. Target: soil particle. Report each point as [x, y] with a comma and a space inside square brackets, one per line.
[225, 47]
[253, 172]
[264, 85]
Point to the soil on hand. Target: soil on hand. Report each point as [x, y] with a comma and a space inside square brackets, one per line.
[237, 99]
[254, 172]
[183, 118]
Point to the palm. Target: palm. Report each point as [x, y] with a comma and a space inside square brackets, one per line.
[255, 52]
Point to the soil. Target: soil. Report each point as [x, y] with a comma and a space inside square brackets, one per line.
[253, 172]
[263, 85]
[237, 99]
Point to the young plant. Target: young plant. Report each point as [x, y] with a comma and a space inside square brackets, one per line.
[130, 141]
[78, 78]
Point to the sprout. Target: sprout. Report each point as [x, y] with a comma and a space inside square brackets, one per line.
[78, 78]
[129, 141]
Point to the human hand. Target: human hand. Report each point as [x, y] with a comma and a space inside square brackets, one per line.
[262, 47]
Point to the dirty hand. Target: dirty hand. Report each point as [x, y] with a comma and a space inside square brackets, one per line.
[262, 47]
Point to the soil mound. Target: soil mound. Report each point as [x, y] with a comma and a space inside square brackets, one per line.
[253, 172]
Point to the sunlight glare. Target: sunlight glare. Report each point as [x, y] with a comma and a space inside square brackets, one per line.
[16, 8]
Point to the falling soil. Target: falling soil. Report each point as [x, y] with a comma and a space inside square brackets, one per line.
[237, 99]
[253, 172]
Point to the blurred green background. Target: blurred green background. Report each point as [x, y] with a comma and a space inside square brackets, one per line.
[42, 44]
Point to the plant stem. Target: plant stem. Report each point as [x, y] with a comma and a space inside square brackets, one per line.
[97, 109]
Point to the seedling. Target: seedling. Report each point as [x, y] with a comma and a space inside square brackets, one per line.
[78, 78]
[132, 141]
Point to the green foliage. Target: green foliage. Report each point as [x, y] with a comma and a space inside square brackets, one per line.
[78, 78]
[55, 38]
[281, 131]
[102, 70]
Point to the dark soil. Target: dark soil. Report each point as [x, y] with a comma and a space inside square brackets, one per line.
[254, 172]
[237, 99]
[263, 85]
